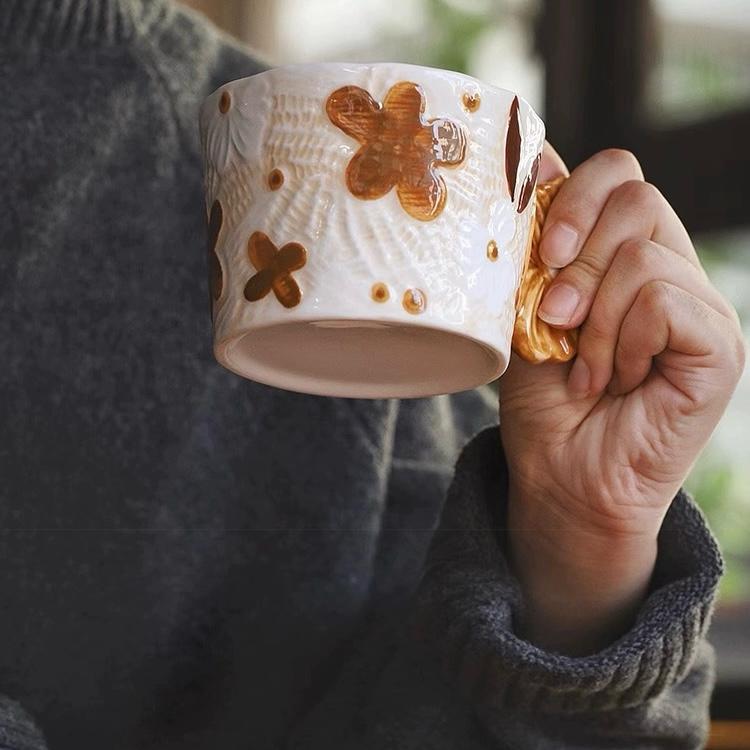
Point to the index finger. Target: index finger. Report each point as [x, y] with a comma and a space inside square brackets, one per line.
[552, 165]
[576, 208]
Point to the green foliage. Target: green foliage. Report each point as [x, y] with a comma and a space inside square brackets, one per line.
[723, 492]
[455, 32]
[719, 482]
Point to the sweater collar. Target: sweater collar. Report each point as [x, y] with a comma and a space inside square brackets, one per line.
[70, 23]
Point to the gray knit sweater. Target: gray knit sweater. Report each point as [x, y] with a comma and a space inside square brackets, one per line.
[191, 560]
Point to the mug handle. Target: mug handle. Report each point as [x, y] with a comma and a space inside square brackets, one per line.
[534, 340]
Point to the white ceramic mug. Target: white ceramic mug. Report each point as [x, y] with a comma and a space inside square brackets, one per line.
[369, 227]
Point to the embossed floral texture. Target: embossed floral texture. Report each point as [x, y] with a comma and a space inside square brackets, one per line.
[398, 148]
[274, 269]
[228, 132]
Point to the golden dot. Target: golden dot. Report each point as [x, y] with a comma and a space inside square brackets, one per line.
[492, 251]
[379, 292]
[225, 102]
[414, 301]
[471, 101]
[275, 179]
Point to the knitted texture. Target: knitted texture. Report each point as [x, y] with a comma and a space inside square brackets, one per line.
[30, 25]
[191, 560]
[17, 728]
[468, 602]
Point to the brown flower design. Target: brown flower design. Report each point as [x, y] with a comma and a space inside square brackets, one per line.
[274, 268]
[398, 148]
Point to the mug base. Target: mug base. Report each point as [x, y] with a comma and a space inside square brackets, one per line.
[360, 358]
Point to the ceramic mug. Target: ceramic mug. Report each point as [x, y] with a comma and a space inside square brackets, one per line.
[372, 229]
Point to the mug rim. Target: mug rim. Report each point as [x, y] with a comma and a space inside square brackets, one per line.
[308, 66]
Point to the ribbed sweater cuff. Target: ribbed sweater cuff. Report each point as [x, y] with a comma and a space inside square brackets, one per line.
[468, 597]
[17, 729]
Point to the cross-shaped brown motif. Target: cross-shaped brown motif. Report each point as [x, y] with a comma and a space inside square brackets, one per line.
[398, 148]
[274, 269]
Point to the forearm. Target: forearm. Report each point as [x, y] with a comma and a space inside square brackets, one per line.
[581, 588]
[470, 605]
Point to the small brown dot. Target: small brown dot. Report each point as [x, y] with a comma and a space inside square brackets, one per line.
[379, 292]
[471, 101]
[492, 251]
[275, 179]
[414, 301]
[225, 102]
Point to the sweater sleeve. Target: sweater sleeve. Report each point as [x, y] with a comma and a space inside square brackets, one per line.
[17, 729]
[450, 671]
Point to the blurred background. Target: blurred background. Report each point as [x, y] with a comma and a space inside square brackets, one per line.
[668, 79]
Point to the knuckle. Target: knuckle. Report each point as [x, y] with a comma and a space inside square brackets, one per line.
[637, 194]
[587, 271]
[734, 316]
[637, 255]
[739, 352]
[622, 160]
[728, 310]
[655, 296]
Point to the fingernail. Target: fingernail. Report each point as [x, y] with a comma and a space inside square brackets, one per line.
[579, 380]
[559, 245]
[559, 304]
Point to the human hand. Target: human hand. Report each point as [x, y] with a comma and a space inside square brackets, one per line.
[598, 448]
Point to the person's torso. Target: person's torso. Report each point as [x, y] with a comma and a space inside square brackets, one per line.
[183, 551]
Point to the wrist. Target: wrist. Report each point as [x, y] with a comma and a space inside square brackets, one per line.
[582, 585]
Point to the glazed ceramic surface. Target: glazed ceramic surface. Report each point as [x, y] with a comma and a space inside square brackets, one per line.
[368, 226]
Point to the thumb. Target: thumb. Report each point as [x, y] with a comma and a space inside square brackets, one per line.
[542, 385]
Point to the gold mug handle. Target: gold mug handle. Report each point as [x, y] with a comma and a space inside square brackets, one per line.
[534, 340]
